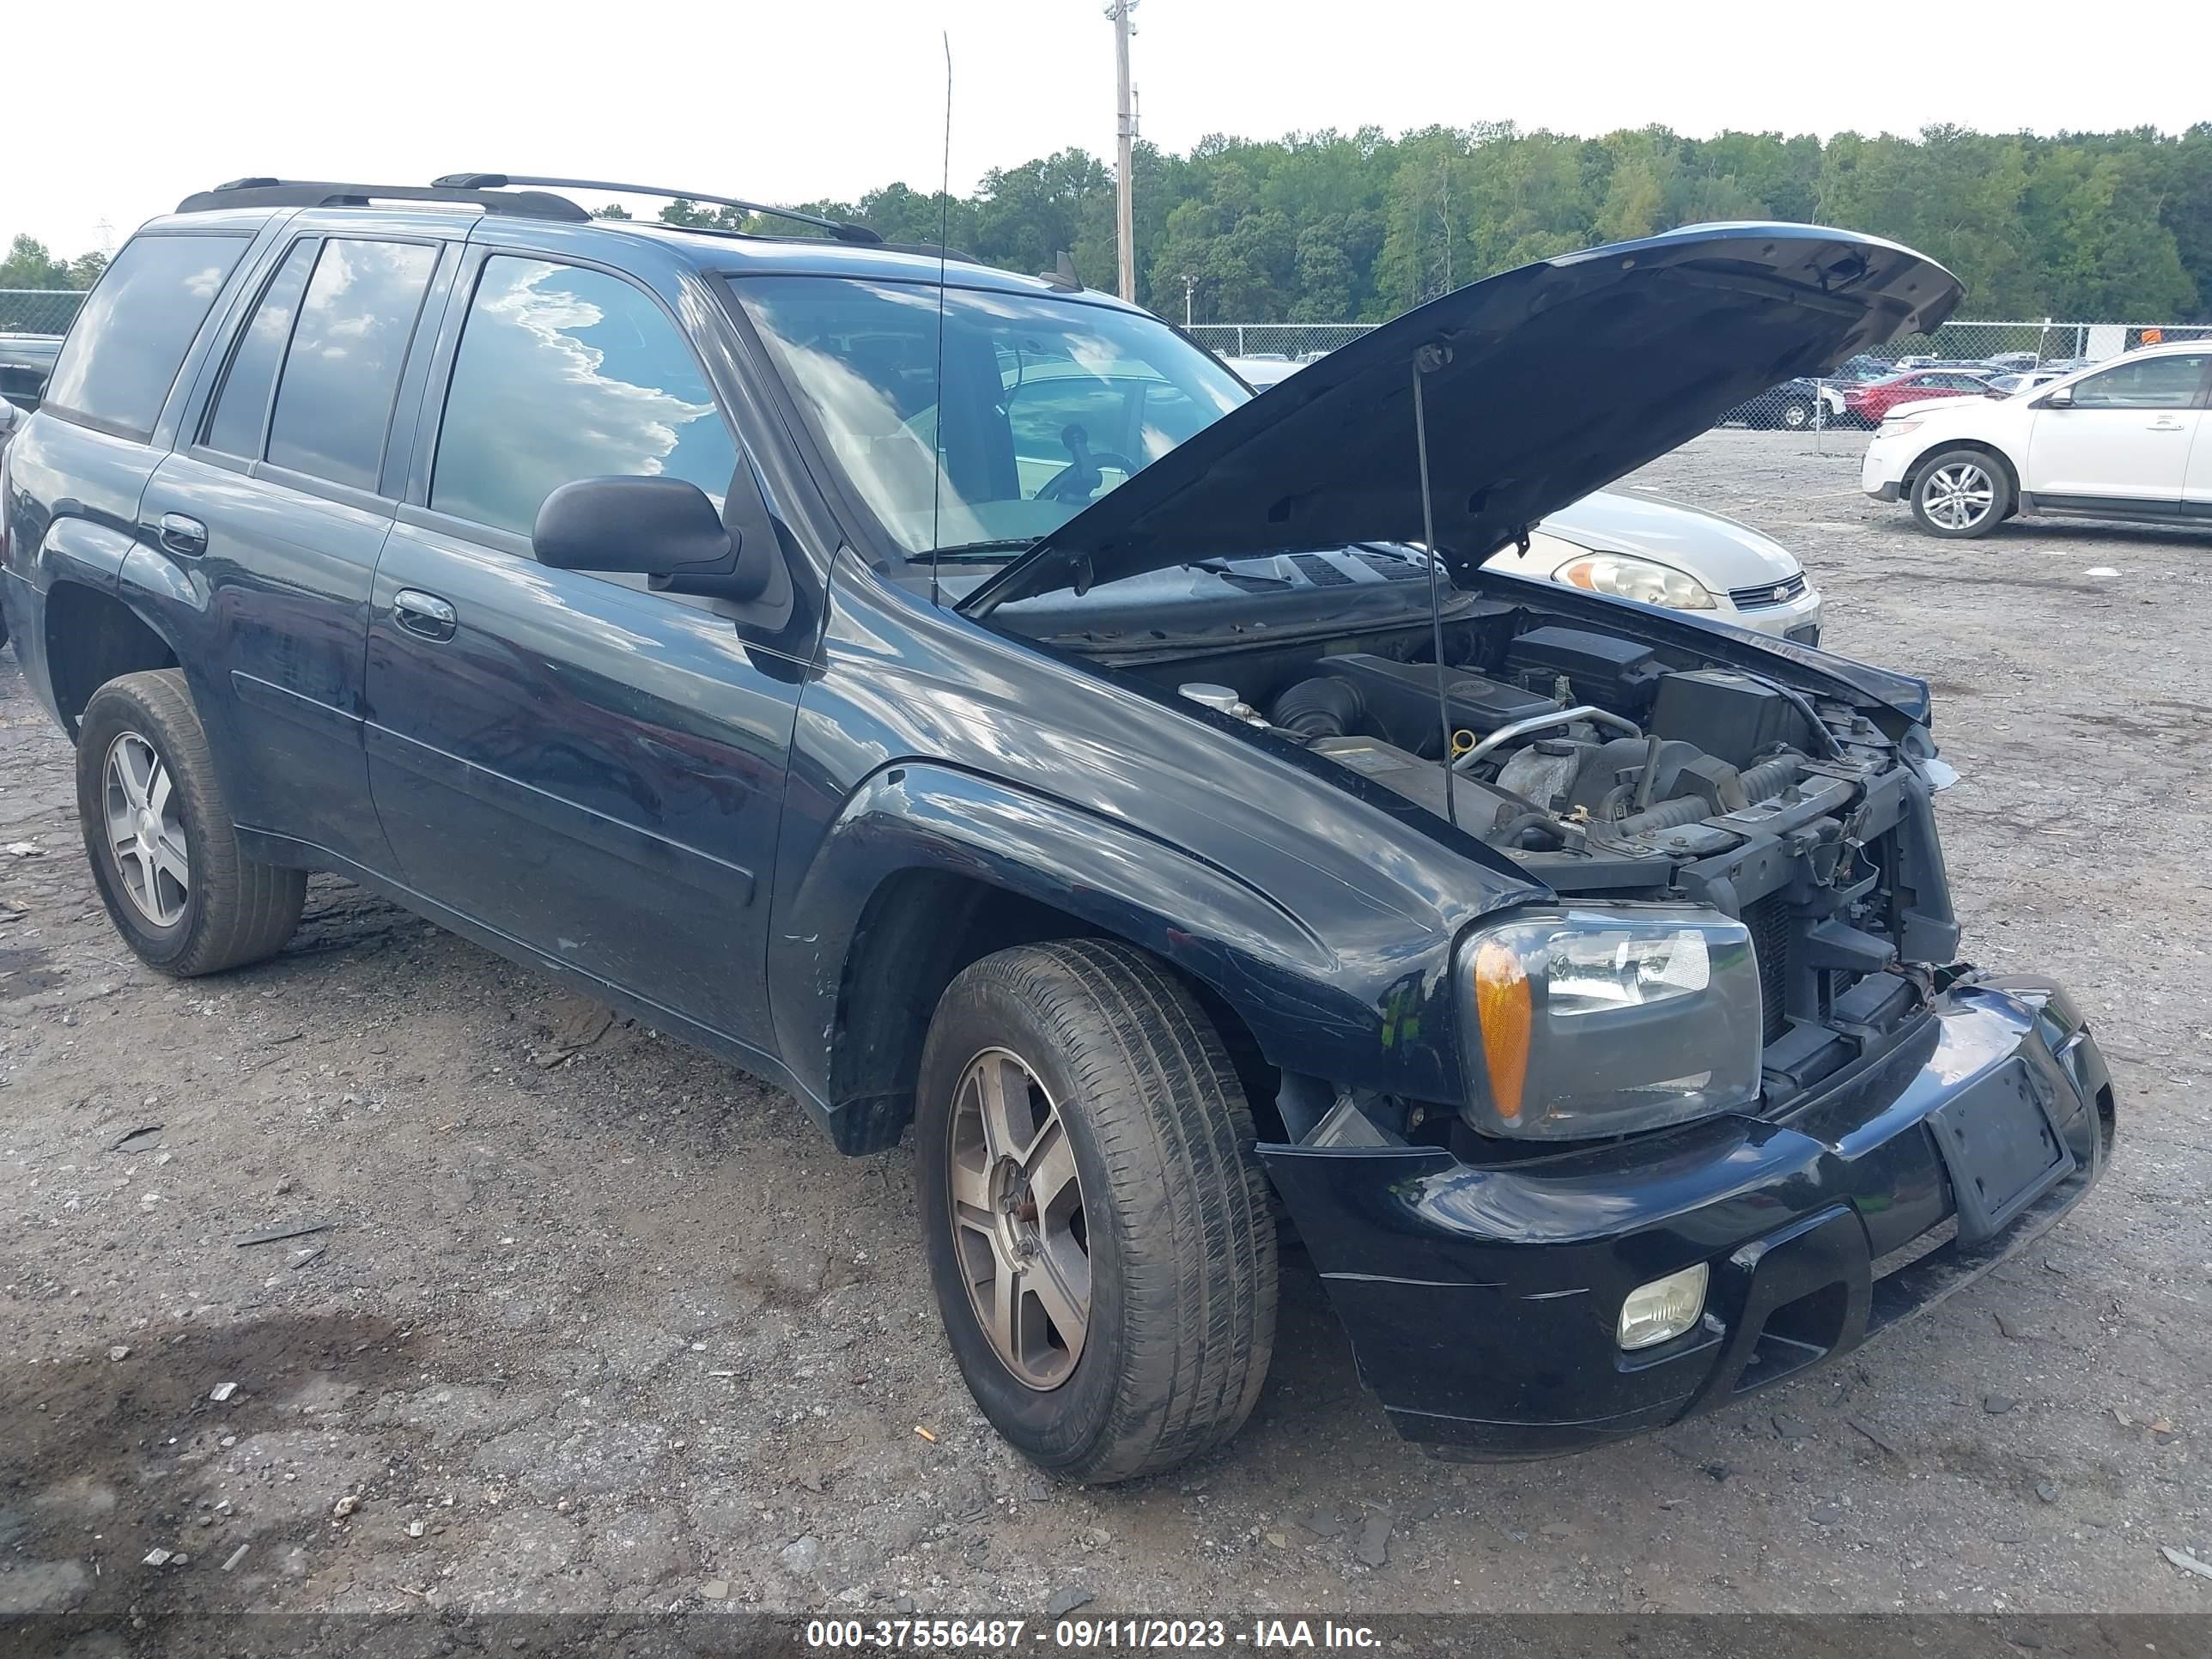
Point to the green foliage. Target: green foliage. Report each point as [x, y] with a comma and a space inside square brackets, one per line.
[1331, 226]
[1340, 227]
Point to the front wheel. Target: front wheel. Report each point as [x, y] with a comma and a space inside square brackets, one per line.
[1797, 415]
[1961, 493]
[1097, 1229]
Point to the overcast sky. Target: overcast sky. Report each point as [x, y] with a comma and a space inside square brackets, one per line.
[788, 102]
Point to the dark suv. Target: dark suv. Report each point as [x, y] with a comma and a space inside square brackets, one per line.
[956, 697]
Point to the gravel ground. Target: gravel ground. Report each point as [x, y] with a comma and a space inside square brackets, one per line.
[598, 1323]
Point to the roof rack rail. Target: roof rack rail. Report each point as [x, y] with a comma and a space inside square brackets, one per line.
[298, 192]
[843, 230]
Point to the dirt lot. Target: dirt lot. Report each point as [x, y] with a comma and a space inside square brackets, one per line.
[598, 1323]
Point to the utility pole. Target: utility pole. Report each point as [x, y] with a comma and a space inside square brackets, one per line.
[1125, 132]
[1190, 287]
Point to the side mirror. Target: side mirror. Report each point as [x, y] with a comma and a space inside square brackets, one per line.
[664, 529]
[2061, 399]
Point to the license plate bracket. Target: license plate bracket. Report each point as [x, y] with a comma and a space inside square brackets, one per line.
[2000, 1148]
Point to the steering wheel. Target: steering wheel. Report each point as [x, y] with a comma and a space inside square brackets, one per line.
[1079, 481]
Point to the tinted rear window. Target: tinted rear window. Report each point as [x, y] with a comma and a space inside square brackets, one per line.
[131, 334]
[334, 403]
[243, 408]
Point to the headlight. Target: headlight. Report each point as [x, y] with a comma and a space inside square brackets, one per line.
[1599, 1020]
[1637, 578]
[1897, 429]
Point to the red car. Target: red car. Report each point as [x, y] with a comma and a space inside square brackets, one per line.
[1870, 403]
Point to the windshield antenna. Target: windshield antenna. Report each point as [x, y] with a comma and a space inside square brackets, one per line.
[945, 235]
[1426, 360]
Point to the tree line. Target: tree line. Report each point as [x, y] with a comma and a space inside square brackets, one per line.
[1332, 226]
[1335, 226]
[29, 264]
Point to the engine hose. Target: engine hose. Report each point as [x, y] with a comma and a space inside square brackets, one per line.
[1767, 777]
[1324, 707]
[1514, 828]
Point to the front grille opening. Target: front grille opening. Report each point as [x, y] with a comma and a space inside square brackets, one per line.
[1925, 1244]
[1768, 919]
[1766, 593]
[1796, 1334]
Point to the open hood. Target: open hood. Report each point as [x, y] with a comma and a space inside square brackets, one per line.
[1546, 383]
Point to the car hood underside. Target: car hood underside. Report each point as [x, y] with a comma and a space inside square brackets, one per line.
[1537, 386]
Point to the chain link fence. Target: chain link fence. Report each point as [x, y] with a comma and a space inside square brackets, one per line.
[1296, 343]
[1960, 359]
[32, 322]
[38, 310]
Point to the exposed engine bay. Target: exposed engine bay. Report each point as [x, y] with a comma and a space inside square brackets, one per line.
[1607, 766]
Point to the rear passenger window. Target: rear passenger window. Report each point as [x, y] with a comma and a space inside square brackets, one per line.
[131, 334]
[242, 409]
[567, 373]
[334, 402]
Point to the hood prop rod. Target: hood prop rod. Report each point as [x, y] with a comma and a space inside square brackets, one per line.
[1427, 359]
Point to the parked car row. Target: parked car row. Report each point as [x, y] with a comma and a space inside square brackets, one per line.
[1860, 391]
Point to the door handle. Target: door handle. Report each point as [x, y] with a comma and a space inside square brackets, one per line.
[424, 614]
[182, 535]
[2165, 423]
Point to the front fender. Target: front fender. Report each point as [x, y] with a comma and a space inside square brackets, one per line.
[1380, 1019]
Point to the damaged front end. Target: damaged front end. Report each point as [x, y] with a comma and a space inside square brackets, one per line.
[1487, 1301]
[1693, 813]
[1728, 1108]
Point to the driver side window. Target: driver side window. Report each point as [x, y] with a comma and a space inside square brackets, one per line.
[566, 373]
[2153, 383]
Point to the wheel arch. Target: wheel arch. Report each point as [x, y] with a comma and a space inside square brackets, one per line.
[90, 638]
[930, 869]
[1983, 445]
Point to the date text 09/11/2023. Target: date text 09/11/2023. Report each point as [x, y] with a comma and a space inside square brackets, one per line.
[985, 1636]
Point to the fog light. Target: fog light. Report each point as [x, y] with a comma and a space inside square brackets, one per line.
[1665, 1307]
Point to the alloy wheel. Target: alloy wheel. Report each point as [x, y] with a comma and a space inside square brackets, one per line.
[146, 830]
[1959, 496]
[1018, 1229]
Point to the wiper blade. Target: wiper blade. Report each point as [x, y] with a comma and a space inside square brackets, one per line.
[978, 552]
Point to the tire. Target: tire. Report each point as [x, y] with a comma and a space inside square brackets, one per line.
[1961, 494]
[1795, 415]
[228, 910]
[1177, 1243]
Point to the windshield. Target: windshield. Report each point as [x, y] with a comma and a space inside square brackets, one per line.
[1046, 405]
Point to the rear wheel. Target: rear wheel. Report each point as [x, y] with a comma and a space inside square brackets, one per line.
[1097, 1229]
[158, 832]
[1795, 414]
[1961, 493]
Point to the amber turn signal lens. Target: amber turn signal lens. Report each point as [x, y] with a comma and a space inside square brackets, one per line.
[1502, 1004]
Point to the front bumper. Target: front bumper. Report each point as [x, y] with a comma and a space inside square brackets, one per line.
[1881, 468]
[1482, 1302]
